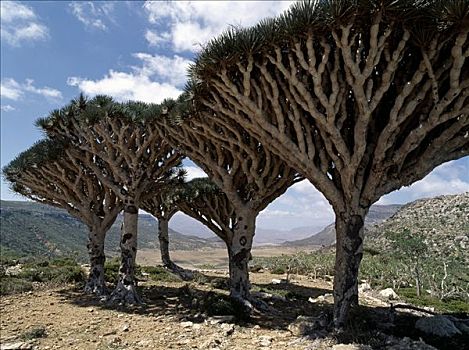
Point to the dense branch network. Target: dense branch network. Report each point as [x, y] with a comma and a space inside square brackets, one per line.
[49, 173]
[359, 108]
[205, 202]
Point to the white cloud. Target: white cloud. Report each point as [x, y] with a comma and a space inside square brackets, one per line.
[20, 24]
[155, 39]
[47, 92]
[12, 90]
[169, 69]
[189, 24]
[126, 86]
[7, 108]
[92, 14]
[156, 78]
[449, 178]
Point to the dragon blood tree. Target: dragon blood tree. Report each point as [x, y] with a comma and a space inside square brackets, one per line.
[250, 176]
[361, 97]
[128, 156]
[50, 173]
[162, 206]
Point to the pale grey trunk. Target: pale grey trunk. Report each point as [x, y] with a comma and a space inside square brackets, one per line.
[126, 289]
[163, 237]
[239, 253]
[349, 252]
[95, 283]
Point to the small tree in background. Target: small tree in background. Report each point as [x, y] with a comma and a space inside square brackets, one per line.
[162, 206]
[360, 97]
[50, 173]
[413, 249]
[202, 200]
[128, 155]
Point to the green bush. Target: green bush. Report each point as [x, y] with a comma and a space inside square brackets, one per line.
[111, 270]
[12, 285]
[159, 273]
[279, 270]
[50, 272]
[34, 333]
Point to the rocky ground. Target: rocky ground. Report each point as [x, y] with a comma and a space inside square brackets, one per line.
[182, 315]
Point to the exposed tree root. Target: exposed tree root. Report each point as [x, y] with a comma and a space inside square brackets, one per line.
[125, 295]
[185, 274]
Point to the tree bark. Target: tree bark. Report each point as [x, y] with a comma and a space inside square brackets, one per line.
[96, 284]
[349, 252]
[239, 254]
[163, 237]
[126, 289]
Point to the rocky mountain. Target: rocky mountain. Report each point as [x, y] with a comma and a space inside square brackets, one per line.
[29, 228]
[326, 237]
[442, 223]
[263, 236]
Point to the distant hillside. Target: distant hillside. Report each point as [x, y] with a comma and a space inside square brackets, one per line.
[326, 237]
[29, 228]
[442, 222]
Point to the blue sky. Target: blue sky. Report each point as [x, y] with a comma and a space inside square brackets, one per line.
[50, 51]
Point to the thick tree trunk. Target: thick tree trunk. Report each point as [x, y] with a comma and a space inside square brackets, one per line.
[239, 253]
[96, 284]
[163, 237]
[349, 252]
[126, 289]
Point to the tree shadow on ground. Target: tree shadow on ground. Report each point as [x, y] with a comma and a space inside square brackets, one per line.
[197, 302]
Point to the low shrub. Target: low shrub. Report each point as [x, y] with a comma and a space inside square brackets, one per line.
[159, 273]
[34, 333]
[12, 285]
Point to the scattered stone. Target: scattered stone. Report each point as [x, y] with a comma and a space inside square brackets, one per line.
[279, 281]
[16, 346]
[221, 319]
[144, 343]
[125, 327]
[262, 295]
[437, 325]
[265, 341]
[197, 326]
[304, 325]
[228, 328]
[388, 294]
[90, 310]
[109, 333]
[364, 287]
[326, 298]
[187, 324]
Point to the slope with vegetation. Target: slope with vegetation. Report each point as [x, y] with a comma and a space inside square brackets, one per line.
[421, 252]
[34, 229]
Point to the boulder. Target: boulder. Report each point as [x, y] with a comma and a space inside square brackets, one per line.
[326, 298]
[364, 287]
[16, 346]
[437, 325]
[304, 325]
[388, 294]
[279, 281]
